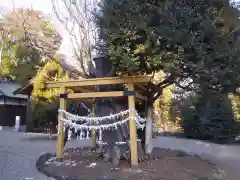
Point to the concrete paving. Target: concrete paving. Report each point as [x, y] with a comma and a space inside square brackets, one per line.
[19, 152]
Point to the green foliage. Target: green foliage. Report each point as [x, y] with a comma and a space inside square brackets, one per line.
[19, 62]
[208, 116]
[44, 114]
[29, 45]
[196, 39]
[189, 119]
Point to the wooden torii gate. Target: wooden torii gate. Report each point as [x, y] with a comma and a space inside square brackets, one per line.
[84, 89]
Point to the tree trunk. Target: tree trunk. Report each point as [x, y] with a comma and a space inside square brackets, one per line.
[112, 151]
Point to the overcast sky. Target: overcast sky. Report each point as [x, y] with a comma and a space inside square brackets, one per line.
[42, 5]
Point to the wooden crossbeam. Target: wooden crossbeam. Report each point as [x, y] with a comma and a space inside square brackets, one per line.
[81, 89]
[102, 95]
[99, 81]
[96, 95]
[84, 90]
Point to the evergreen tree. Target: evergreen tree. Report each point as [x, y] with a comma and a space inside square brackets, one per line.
[216, 117]
[208, 116]
[184, 39]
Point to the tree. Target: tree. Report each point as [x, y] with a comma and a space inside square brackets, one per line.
[51, 71]
[29, 43]
[185, 39]
[235, 99]
[27, 40]
[77, 19]
[32, 27]
[196, 40]
[162, 105]
[210, 117]
[20, 63]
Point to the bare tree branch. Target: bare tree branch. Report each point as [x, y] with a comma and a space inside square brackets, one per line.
[78, 20]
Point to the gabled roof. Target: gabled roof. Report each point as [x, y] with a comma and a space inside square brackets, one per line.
[25, 90]
[8, 88]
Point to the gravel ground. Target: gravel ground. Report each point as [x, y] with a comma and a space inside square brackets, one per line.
[227, 157]
[19, 152]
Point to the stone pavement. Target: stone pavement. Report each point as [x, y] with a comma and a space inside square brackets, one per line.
[19, 152]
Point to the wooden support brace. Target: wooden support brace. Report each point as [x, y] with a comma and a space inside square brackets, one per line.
[140, 96]
[141, 87]
[132, 125]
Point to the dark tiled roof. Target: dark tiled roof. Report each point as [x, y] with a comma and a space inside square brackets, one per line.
[8, 89]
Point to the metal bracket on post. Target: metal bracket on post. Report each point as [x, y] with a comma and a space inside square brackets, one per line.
[129, 93]
[64, 95]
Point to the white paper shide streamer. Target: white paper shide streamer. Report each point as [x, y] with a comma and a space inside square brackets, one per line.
[72, 120]
[88, 123]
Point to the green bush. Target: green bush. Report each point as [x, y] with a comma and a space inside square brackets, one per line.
[44, 114]
[208, 116]
[190, 122]
[218, 119]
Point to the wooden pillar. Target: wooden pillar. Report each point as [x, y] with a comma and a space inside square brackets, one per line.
[132, 125]
[60, 140]
[29, 122]
[94, 135]
[149, 123]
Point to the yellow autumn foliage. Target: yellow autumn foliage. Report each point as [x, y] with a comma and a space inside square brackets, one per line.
[235, 105]
[162, 105]
[51, 71]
